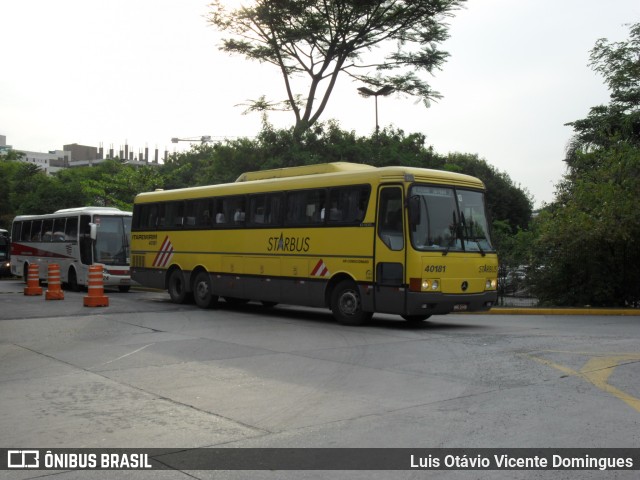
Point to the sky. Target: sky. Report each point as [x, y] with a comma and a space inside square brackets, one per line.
[141, 72]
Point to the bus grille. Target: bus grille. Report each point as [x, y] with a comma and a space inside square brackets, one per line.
[137, 261]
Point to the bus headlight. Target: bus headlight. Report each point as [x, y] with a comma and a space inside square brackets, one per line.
[430, 285]
[424, 285]
[491, 284]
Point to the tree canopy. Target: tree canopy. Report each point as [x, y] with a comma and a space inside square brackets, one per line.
[319, 39]
[114, 183]
[587, 249]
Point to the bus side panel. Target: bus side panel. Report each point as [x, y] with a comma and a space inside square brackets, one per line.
[262, 281]
[149, 277]
[295, 285]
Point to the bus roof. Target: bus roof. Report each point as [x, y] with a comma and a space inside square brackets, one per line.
[76, 211]
[328, 174]
[302, 170]
[90, 209]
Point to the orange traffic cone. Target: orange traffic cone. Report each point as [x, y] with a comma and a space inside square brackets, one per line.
[96, 296]
[54, 292]
[33, 281]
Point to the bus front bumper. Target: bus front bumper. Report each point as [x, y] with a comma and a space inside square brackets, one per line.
[420, 303]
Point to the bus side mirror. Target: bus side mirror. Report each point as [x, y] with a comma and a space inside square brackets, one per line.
[93, 232]
[413, 205]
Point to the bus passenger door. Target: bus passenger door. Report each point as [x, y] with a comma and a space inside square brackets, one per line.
[390, 251]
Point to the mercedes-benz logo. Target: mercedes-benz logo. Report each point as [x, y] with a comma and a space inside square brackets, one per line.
[464, 286]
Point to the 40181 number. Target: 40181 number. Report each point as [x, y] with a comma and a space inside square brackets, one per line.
[435, 268]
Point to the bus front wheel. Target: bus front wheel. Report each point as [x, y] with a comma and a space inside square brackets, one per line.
[72, 281]
[202, 292]
[346, 304]
[177, 287]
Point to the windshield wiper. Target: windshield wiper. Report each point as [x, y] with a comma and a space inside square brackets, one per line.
[471, 237]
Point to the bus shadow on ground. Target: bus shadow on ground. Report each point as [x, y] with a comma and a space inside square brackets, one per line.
[322, 316]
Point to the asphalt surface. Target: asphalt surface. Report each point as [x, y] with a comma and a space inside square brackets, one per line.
[146, 373]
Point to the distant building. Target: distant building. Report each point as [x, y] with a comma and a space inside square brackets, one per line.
[50, 162]
[75, 155]
[81, 152]
[3, 144]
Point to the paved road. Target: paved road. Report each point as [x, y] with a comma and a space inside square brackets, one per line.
[144, 372]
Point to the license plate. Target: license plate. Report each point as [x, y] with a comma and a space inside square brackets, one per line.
[460, 307]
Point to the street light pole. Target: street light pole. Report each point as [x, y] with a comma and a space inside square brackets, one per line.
[367, 92]
[204, 139]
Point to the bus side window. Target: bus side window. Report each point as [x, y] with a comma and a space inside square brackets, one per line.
[220, 217]
[274, 209]
[58, 230]
[71, 229]
[189, 214]
[390, 218]
[160, 217]
[36, 226]
[25, 232]
[257, 209]
[305, 207]
[348, 205]
[203, 212]
[234, 209]
[47, 230]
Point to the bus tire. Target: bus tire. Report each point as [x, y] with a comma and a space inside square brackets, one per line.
[346, 304]
[415, 319]
[72, 280]
[177, 287]
[202, 291]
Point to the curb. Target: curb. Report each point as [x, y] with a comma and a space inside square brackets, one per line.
[564, 311]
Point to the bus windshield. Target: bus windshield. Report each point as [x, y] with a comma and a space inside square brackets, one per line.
[112, 241]
[449, 220]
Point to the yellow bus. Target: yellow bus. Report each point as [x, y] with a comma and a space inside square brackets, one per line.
[351, 237]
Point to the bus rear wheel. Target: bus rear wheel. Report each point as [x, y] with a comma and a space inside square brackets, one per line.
[346, 304]
[202, 292]
[177, 287]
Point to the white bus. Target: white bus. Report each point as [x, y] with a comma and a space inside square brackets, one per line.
[74, 238]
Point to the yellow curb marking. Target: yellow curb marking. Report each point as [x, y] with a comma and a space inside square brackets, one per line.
[597, 371]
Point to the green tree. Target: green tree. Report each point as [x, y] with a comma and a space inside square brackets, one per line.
[619, 64]
[327, 142]
[28, 180]
[8, 171]
[318, 40]
[587, 249]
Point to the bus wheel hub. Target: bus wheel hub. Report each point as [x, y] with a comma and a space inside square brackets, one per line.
[349, 303]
